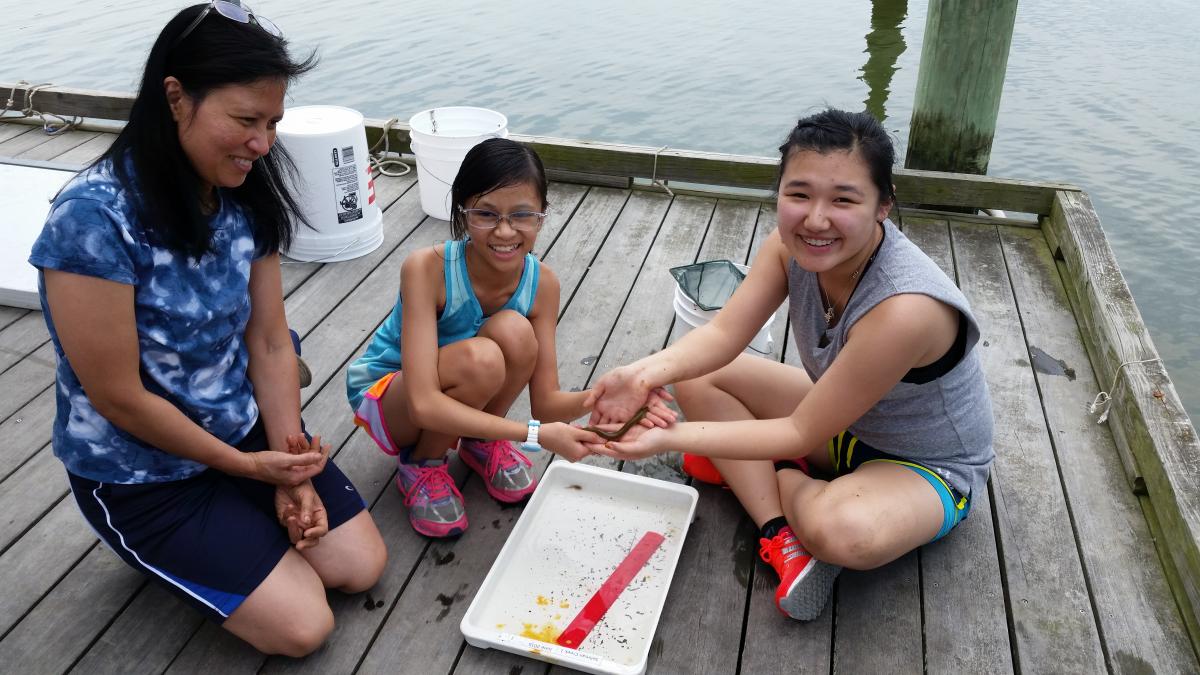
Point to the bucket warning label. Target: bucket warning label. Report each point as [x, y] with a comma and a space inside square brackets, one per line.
[346, 186]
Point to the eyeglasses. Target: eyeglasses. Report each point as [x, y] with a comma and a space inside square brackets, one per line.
[235, 12]
[484, 219]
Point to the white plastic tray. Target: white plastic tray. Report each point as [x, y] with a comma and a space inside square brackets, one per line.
[579, 525]
[26, 190]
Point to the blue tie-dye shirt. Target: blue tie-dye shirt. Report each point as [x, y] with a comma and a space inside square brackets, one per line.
[191, 318]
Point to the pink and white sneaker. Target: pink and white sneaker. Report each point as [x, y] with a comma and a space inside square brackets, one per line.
[435, 506]
[507, 473]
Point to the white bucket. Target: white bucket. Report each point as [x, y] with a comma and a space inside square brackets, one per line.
[335, 190]
[441, 138]
[691, 316]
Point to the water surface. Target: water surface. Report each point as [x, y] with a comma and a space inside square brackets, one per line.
[1101, 95]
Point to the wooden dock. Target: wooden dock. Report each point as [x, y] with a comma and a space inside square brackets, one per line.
[1056, 570]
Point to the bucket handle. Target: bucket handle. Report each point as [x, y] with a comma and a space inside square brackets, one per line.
[448, 183]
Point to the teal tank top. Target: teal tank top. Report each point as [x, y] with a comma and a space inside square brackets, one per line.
[461, 318]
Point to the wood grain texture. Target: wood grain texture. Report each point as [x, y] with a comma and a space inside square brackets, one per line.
[1146, 416]
[1137, 614]
[1048, 599]
[966, 626]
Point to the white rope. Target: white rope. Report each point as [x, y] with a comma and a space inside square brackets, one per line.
[51, 123]
[1103, 400]
[654, 180]
[379, 160]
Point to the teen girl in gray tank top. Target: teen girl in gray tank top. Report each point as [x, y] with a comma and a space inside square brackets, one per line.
[878, 449]
[937, 423]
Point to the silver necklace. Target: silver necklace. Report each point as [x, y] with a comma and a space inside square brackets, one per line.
[830, 308]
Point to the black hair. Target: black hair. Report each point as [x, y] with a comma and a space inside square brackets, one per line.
[834, 129]
[218, 52]
[493, 164]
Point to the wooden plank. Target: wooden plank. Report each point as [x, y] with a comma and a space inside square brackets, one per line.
[889, 600]
[323, 291]
[56, 632]
[88, 152]
[965, 622]
[22, 143]
[1169, 569]
[1048, 601]
[21, 338]
[586, 232]
[58, 144]
[29, 493]
[10, 314]
[69, 102]
[1147, 418]
[35, 563]
[20, 383]
[1137, 613]
[687, 166]
[26, 431]
[148, 633]
[9, 131]
[422, 627]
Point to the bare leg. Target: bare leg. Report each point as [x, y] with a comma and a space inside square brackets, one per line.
[470, 371]
[351, 556]
[864, 519]
[748, 388]
[288, 613]
[514, 335]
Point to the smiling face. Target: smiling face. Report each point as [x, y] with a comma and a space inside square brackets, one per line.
[504, 247]
[828, 210]
[223, 133]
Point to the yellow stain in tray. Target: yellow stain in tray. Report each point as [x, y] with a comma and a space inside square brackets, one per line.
[564, 604]
[543, 600]
[545, 633]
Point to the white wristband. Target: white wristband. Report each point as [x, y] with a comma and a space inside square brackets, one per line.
[531, 441]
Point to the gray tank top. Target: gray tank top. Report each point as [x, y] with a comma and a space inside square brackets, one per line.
[945, 424]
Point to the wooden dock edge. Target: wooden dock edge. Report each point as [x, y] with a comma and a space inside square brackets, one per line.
[630, 161]
[1151, 428]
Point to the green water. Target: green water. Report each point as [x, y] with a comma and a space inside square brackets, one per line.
[1101, 95]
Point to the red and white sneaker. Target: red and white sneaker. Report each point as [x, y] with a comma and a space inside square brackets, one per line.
[507, 473]
[804, 581]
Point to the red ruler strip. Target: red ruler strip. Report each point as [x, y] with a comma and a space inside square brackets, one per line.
[579, 628]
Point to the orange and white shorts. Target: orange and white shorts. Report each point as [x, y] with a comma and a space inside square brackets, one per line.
[369, 416]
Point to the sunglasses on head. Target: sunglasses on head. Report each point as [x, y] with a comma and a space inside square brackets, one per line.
[234, 12]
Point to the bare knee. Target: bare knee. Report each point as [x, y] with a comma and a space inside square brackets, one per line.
[838, 531]
[298, 634]
[306, 636]
[514, 335]
[366, 573]
[479, 366]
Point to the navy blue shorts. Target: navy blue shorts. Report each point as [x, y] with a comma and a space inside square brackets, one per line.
[212, 538]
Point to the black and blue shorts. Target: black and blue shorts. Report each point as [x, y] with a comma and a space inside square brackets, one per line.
[212, 538]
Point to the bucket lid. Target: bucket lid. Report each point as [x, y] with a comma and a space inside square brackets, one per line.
[710, 283]
[315, 120]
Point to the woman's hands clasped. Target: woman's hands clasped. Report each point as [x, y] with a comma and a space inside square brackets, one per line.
[291, 468]
[298, 507]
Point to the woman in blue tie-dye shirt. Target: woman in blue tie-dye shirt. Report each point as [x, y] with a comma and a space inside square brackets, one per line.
[178, 397]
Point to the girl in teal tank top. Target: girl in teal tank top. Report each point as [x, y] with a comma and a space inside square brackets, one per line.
[473, 325]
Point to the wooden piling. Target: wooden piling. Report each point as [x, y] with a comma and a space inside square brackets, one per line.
[961, 77]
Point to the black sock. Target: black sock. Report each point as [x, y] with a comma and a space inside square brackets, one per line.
[772, 527]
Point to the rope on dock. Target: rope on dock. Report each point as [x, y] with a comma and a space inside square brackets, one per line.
[379, 160]
[51, 123]
[1103, 400]
[654, 180]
